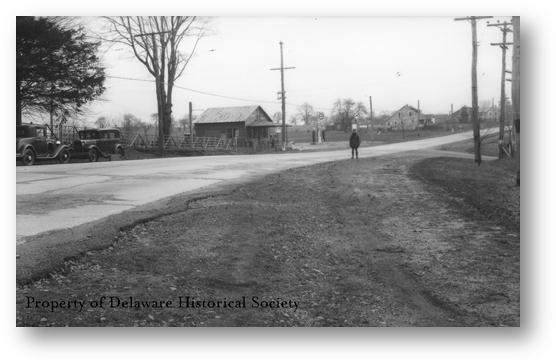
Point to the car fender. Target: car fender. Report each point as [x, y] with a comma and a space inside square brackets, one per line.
[98, 150]
[28, 147]
[60, 149]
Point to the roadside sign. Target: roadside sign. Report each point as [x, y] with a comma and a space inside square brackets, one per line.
[321, 116]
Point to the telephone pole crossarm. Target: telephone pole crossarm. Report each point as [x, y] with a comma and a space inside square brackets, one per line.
[473, 18]
[502, 44]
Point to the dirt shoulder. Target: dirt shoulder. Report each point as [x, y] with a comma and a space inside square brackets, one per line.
[369, 242]
[489, 145]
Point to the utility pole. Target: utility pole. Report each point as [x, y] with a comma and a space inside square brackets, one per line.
[419, 113]
[505, 28]
[282, 95]
[474, 97]
[401, 123]
[371, 109]
[516, 60]
[451, 117]
[371, 113]
[191, 124]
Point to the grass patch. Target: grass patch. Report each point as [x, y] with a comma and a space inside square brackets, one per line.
[489, 145]
[488, 192]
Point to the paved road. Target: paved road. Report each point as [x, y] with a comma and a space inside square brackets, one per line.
[61, 196]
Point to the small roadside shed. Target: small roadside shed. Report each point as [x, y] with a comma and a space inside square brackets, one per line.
[245, 123]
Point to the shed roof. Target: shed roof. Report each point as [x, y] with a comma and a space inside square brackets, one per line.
[233, 114]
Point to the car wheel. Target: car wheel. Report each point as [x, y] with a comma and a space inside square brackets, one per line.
[28, 157]
[64, 157]
[93, 155]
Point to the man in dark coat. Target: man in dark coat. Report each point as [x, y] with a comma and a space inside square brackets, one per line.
[354, 142]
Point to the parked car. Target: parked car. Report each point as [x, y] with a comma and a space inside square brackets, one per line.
[96, 143]
[32, 144]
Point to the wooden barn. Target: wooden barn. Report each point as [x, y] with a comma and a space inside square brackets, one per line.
[247, 124]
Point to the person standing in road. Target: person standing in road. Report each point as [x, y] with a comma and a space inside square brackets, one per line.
[354, 142]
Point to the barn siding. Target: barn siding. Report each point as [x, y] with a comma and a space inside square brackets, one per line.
[219, 129]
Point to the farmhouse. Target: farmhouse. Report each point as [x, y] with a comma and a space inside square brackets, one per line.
[463, 115]
[493, 113]
[249, 125]
[490, 114]
[406, 118]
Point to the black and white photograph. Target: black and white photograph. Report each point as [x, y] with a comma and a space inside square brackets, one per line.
[268, 171]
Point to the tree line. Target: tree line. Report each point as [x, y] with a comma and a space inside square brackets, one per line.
[59, 71]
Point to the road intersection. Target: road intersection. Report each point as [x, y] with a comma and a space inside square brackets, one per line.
[61, 196]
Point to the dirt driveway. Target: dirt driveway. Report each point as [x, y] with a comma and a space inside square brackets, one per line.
[352, 243]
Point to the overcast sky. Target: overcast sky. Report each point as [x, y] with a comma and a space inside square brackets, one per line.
[397, 61]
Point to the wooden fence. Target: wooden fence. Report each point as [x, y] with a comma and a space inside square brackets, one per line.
[146, 142]
[172, 143]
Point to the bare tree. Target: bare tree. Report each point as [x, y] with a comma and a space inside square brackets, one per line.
[345, 111]
[277, 117]
[101, 122]
[156, 42]
[305, 111]
[361, 110]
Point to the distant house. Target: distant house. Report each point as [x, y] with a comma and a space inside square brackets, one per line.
[245, 123]
[441, 118]
[463, 115]
[490, 114]
[493, 113]
[406, 118]
[426, 119]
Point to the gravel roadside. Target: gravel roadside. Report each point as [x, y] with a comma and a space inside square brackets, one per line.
[367, 242]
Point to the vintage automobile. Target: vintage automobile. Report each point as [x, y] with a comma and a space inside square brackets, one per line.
[96, 143]
[32, 144]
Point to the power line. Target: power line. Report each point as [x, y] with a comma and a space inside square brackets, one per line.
[213, 94]
[196, 91]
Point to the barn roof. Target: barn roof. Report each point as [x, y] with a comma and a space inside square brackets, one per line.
[232, 114]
